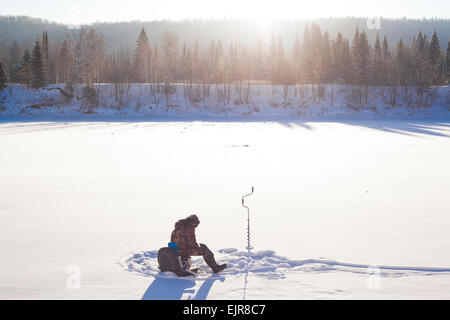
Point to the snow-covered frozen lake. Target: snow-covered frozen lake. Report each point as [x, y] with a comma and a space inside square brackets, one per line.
[341, 210]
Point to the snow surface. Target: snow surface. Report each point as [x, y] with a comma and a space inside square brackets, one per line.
[341, 210]
[347, 208]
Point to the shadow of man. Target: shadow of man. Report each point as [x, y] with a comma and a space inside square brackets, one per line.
[173, 289]
[168, 289]
[203, 291]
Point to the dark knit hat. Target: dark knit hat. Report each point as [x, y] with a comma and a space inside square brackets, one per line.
[193, 219]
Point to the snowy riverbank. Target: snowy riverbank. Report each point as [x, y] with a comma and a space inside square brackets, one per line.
[263, 102]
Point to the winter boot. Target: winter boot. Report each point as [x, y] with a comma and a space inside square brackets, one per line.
[211, 262]
[209, 259]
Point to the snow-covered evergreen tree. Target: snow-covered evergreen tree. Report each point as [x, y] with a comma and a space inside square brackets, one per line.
[363, 57]
[24, 69]
[45, 57]
[296, 58]
[403, 64]
[142, 58]
[14, 62]
[306, 59]
[325, 59]
[3, 76]
[434, 53]
[355, 56]
[376, 65]
[447, 62]
[385, 63]
[64, 63]
[37, 78]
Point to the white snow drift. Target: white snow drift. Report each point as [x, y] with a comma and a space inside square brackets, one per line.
[269, 265]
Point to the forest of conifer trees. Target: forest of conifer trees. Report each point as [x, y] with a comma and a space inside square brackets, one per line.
[318, 60]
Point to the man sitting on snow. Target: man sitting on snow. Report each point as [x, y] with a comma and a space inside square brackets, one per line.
[184, 236]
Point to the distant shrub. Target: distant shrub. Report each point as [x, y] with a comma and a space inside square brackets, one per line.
[90, 95]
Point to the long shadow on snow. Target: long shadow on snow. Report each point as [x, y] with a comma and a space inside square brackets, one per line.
[409, 127]
[173, 289]
[405, 127]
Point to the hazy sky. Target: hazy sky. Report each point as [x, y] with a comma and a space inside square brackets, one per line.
[86, 11]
